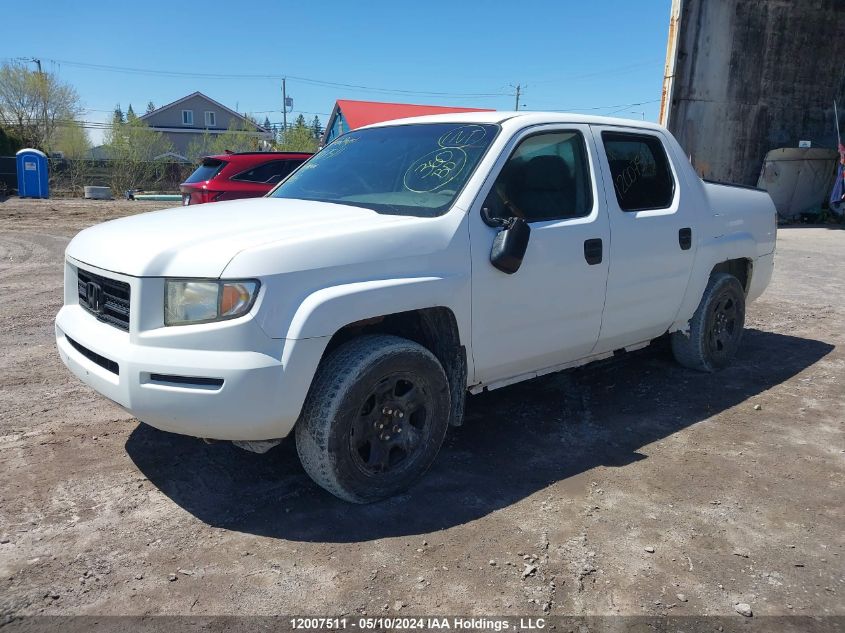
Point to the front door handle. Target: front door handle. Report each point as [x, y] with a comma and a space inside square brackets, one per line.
[593, 251]
[685, 238]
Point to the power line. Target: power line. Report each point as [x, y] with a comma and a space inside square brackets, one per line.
[278, 76]
[618, 107]
[108, 125]
[607, 107]
[599, 73]
[277, 110]
[317, 82]
[245, 112]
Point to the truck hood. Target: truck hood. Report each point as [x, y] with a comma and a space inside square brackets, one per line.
[199, 241]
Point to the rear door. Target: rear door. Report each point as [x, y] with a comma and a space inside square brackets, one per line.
[549, 311]
[652, 242]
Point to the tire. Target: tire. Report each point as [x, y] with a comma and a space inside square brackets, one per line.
[374, 418]
[716, 327]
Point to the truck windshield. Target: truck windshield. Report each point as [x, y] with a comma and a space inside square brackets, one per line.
[416, 169]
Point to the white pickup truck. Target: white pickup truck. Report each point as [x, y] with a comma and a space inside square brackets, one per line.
[401, 267]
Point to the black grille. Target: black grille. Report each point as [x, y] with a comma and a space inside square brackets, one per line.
[102, 361]
[114, 301]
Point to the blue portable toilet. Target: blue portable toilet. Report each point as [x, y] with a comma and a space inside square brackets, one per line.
[32, 174]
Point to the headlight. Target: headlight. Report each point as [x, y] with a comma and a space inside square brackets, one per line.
[207, 300]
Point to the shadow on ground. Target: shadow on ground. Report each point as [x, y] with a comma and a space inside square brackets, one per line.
[515, 442]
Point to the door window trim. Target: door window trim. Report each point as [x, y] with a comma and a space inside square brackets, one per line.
[669, 165]
[518, 141]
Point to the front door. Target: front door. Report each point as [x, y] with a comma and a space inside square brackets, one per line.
[549, 312]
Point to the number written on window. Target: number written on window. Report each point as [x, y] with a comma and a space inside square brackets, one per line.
[640, 171]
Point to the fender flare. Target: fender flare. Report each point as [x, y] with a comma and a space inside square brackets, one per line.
[710, 253]
[325, 311]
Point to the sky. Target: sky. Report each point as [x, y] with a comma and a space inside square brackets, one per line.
[598, 57]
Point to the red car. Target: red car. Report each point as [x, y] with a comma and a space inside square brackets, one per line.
[241, 175]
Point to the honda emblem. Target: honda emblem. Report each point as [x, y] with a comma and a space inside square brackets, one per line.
[94, 296]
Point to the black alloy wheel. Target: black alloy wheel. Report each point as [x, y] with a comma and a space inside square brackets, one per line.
[391, 424]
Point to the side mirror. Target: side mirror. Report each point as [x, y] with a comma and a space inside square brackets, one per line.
[509, 245]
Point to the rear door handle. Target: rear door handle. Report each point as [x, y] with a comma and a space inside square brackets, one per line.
[685, 238]
[593, 251]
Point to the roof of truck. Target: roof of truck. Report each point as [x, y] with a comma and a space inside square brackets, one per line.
[523, 118]
[360, 113]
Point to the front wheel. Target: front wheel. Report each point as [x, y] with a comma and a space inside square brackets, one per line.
[716, 327]
[374, 418]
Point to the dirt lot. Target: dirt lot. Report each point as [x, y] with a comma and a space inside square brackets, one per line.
[635, 487]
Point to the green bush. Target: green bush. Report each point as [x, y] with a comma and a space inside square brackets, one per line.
[9, 144]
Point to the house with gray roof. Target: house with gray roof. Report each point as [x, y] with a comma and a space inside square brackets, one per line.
[190, 117]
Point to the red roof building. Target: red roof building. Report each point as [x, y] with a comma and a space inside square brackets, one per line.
[350, 115]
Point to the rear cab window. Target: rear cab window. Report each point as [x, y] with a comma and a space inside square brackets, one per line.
[208, 169]
[639, 167]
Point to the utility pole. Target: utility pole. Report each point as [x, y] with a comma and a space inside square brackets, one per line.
[287, 102]
[518, 87]
[284, 108]
[41, 78]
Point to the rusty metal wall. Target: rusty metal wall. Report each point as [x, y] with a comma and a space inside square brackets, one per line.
[747, 76]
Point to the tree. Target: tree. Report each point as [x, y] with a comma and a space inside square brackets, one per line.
[135, 153]
[118, 116]
[9, 143]
[241, 136]
[201, 146]
[130, 113]
[266, 124]
[150, 107]
[72, 140]
[317, 128]
[299, 138]
[73, 171]
[34, 104]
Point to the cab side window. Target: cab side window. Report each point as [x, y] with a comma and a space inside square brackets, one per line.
[547, 177]
[640, 171]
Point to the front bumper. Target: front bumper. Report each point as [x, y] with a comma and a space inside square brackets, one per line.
[214, 386]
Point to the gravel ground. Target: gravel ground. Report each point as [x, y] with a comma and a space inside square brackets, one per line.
[629, 488]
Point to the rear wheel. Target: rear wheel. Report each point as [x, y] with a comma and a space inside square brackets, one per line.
[716, 327]
[374, 418]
